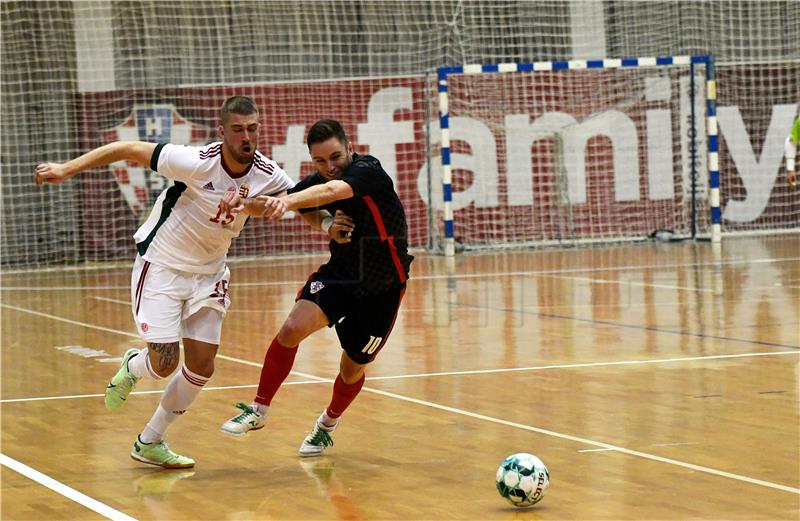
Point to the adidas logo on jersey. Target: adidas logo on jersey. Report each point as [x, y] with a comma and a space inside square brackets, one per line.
[316, 286]
[208, 186]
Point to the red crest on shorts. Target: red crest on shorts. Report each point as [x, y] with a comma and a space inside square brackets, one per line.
[145, 327]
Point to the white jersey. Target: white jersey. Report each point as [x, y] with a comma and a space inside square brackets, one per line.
[186, 230]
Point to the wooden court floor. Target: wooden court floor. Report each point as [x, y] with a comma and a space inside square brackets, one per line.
[656, 381]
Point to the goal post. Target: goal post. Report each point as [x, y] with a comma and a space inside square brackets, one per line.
[578, 151]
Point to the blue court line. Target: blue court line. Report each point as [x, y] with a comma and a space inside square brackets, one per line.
[630, 326]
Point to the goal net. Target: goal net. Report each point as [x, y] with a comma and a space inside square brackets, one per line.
[578, 151]
[78, 73]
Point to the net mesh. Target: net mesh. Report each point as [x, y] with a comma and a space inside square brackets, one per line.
[576, 155]
[76, 73]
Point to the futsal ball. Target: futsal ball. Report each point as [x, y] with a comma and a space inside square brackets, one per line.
[522, 479]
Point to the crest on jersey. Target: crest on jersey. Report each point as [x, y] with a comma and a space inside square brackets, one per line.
[244, 190]
[159, 123]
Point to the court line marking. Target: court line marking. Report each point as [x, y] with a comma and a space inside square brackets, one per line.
[317, 379]
[631, 283]
[264, 311]
[68, 492]
[588, 364]
[577, 439]
[491, 419]
[261, 310]
[395, 377]
[407, 309]
[457, 276]
[159, 391]
[474, 306]
[626, 326]
[68, 320]
[602, 446]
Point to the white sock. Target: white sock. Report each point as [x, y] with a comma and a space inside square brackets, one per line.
[327, 422]
[140, 366]
[155, 428]
[260, 408]
[179, 394]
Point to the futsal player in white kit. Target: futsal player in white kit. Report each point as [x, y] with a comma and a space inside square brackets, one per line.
[180, 281]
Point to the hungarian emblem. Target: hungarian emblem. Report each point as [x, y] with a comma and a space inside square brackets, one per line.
[244, 189]
[161, 123]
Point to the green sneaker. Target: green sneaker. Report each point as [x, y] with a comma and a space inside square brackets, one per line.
[317, 440]
[121, 384]
[248, 420]
[159, 454]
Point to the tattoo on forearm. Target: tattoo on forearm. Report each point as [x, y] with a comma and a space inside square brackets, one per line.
[167, 354]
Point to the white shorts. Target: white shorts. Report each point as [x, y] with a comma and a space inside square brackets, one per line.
[167, 304]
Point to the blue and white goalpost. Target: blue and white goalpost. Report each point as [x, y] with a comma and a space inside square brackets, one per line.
[633, 212]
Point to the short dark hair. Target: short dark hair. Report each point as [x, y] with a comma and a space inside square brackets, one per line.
[325, 129]
[241, 105]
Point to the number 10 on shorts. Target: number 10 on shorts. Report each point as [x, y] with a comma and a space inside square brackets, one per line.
[372, 345]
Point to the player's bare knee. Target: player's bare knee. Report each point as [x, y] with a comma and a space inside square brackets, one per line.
[292, 332]
[164, 357]
[203, 367]
[352, 372]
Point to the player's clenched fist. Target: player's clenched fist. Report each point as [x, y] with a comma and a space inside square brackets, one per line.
[231, 202]
[342, 227]
[261, 206]
[274, 208]
[53, 173]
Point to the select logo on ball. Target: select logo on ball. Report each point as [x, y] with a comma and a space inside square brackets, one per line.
[522, 479]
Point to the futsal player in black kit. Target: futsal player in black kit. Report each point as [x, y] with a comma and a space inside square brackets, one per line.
[358, 291]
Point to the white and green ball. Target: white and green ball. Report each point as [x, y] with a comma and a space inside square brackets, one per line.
[522, 479]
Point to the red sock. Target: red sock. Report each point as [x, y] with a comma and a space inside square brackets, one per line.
[343, 395]
[277, 364]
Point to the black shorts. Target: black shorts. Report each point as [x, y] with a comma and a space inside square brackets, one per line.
[362, 324]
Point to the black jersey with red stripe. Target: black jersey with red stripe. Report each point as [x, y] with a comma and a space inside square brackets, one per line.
[377, 257]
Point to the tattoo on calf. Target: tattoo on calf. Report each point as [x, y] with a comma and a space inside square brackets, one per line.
[167, 354]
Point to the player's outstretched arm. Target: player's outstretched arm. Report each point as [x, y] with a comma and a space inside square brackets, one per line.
[319, 195]
[261, 206]
[56, 173]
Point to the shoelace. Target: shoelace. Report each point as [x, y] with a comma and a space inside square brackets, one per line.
[321, 437]
[246, 410]
[172, 455]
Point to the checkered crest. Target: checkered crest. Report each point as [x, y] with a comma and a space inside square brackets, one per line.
[155, 124]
